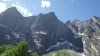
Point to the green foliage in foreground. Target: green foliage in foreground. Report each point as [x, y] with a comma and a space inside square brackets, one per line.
[35, 54]
[19, 50]
[63, 52]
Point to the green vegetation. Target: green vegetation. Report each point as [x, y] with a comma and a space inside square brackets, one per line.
[53, 54]
[63, 52]
[35, 54]
[19, 50]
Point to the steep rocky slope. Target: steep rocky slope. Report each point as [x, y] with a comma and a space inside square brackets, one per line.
[89, 31]
[46, 33]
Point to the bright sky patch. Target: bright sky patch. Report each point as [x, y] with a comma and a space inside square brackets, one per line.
[22, 9]
[2, 7]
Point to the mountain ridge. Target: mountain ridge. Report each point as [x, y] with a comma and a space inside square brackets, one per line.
[46, 33]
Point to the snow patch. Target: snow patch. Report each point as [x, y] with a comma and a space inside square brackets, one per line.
[59, 44]
[16, 35]
[82, 34]
[40, 32]
[83, 54]
[3, 25]
[19, 36]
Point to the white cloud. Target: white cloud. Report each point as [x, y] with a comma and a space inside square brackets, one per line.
[4, 0]
[3, 7]
[7, 0]
[30, 14]
[45, 4]
[22, 9]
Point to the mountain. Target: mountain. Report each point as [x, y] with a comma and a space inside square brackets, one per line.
[89, 31]
[48, 31]
[7, 36]
[45, 33]
[11, 18]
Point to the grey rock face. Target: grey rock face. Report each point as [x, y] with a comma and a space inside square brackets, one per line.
[46, 33]
[7, 36]
[11, 18]
[89, 31]
[19, 26]
[42, 31]
[91, 45]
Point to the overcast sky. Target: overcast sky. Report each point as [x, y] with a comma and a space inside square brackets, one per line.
[64, 9]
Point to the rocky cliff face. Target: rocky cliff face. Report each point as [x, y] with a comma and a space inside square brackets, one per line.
[91, 41]
[89, 31]
[19, 26]
[46, 33]
[11, 18]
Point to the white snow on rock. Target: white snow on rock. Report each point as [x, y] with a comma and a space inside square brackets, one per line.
[82, 34]
[16, 35]
[19, 36]
[3, 25]
[59, 44]
[40, 32]
[83, 54]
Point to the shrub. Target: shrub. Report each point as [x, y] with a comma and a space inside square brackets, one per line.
[35, 54]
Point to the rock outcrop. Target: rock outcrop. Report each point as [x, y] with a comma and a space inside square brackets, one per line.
[46, 33]
[89, 31]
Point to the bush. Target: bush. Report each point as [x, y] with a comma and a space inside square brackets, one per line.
[11, 50]
[63, 52]
[35, 54]
[22, 49]
[53, 54]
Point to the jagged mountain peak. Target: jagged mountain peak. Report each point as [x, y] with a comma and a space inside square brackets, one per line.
[95, 19]
[11, 12]
[43, 19]
[68, 22]
[48, 16]
[52, 13]
[76, 21]
[12, 8]
[11, 18]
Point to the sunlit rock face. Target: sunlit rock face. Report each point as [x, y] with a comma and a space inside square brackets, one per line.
[92, 41]
[89, 31]
[91, 47]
